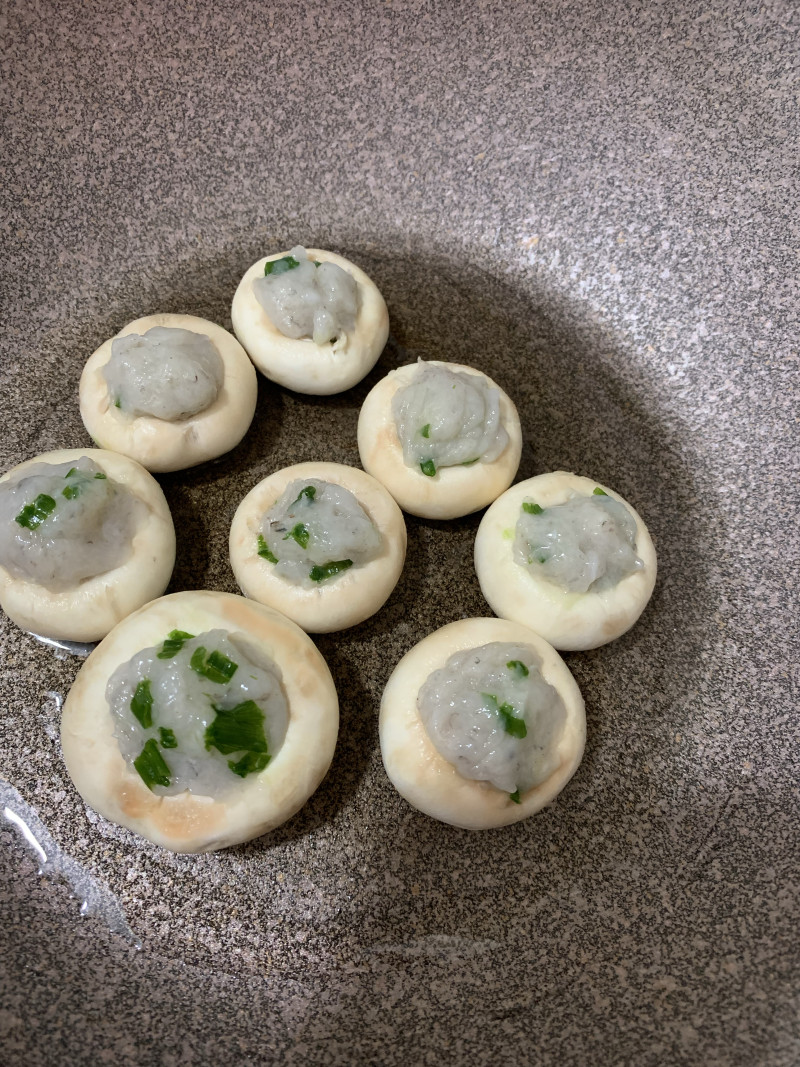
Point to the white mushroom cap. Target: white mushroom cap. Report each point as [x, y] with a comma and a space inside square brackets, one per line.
[567, 620]
[161, 445]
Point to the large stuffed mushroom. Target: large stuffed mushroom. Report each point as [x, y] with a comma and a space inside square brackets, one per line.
[201, 721]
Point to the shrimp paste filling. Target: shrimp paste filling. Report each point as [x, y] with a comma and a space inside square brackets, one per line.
[63, 523]
[167, 373]
[315, 531]
[491, 714]
[445, 418]
[303, 298]
[587, 544]
[198, 712]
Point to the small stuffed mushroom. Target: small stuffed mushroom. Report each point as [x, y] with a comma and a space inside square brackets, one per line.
[481, 724]
[86, 537]
[170, 391]
[567, 557]
[201, 721]
[322, 542]
[443, 438]
[310, 320]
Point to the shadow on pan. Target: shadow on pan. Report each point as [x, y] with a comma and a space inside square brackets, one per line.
[576, 391]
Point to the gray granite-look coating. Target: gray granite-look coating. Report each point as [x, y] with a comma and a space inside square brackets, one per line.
[597, 204]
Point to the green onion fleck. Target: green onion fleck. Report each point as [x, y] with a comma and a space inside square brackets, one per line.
[101, 476]
[280, 266]
[151, 765]
[253, 761]
[597, 491]
[117, 403]
[71, 471]
[518, 667]
[531, 509]
[168, 738]
[264, 551]
[71, 491]
[309, 493]
[329, 570]
[239, 729]
[428, 468]
[142, 704]
[32, 515]
[300, 534]
[511, 724]
[173, 643]
[214, 666]
[426, 430]
[515, 796]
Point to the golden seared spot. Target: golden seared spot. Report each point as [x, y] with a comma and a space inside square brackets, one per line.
[136, 801]
[177, 817]
[184, 815]
[386, 438]
[307, 679]
[245, 616]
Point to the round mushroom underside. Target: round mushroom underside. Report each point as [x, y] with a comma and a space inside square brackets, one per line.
[352, 596]
[264, 800]
[162, 445]
[569, 621]
[424, 777]
[87, 611]
[453, 491]
[302, 365]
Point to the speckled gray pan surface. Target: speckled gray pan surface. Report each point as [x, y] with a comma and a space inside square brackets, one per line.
[596, 204]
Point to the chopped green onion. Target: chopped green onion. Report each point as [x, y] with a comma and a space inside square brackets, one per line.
[173, 643]
[309, 493]
[515, 796]
[428, 468]
[214, 666]
[168, 738]
[117, 404]
[151, 765]
[542, 559]
[426, 430]
[470, 462]
[264, 550]
[253, 761]
[531, 509]
[329, 570]
[511, 724]
[597, 491]
[142, 704]
[300, 534]
[71, 471]
[280, 266]
[101, 476]
[518, 667]
[71, 491]
[32, 515]
[239, 729]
